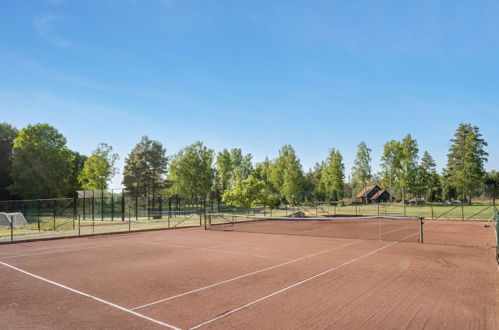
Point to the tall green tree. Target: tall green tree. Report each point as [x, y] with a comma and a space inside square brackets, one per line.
[8, 134]
[191, 171]
[390, 164]
[263, 172]
[333, 176]
[408, 171]
[286, 175]
[224, 170]
[427, 179]
[313, 181]
[244, 168]
[249, 192]
[99, 168]
[78, 161]
[145, 168]
[465, 161]
[361, 171]
[42, 163]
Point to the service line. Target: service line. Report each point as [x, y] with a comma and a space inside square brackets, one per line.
[244, 275]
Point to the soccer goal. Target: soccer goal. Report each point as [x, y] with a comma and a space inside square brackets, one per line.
[17, 218]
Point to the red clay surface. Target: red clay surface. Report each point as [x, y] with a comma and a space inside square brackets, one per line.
[191, 278]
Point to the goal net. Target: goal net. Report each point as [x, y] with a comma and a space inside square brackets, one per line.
[17, 218]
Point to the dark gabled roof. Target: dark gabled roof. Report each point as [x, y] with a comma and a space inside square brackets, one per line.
[366, 191]
[378, 194]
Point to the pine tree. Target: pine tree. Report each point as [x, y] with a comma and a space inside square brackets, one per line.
[145, 167]
[466, 159]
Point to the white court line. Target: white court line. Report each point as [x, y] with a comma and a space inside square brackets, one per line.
[291, 286]
[244, 275]
[91, 297]
[210, 249]
[301, 282]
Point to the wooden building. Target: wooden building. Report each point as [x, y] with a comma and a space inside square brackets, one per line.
[374, 194]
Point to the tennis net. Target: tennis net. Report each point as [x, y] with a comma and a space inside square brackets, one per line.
[384, 228]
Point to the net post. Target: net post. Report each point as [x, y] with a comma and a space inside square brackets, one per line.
[421, 236]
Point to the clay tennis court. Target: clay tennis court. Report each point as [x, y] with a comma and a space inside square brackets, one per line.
[195, 278]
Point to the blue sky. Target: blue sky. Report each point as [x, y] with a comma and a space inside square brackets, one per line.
[253, 74]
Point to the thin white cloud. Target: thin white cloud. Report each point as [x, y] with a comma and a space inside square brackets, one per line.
[45, 26]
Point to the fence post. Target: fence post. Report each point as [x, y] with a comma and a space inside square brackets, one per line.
[462, 208]
[102, 204]
[84, 200]
[112, 205]
[122, 205]
[148, 207]
[53, 211]
[74, 211]
[11, 228]
[432, 215]
[38, 212]
[161, 207]
[136, 208]
[403, 198]
[169, 207]
[421, 231]
[93, 205]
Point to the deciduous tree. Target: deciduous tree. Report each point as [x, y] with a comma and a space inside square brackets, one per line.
[99, 168]
[42, 163]
[361, 171]
[333, 176]
[191, 171]
[8, 134]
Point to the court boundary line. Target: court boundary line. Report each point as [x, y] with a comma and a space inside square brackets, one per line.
[302, 281]
[291, 286]
[244, 275]
[91, 297]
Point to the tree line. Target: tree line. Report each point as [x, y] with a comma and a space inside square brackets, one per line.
[35, 163]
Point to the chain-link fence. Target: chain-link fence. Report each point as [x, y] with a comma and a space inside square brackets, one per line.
[102, 211]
